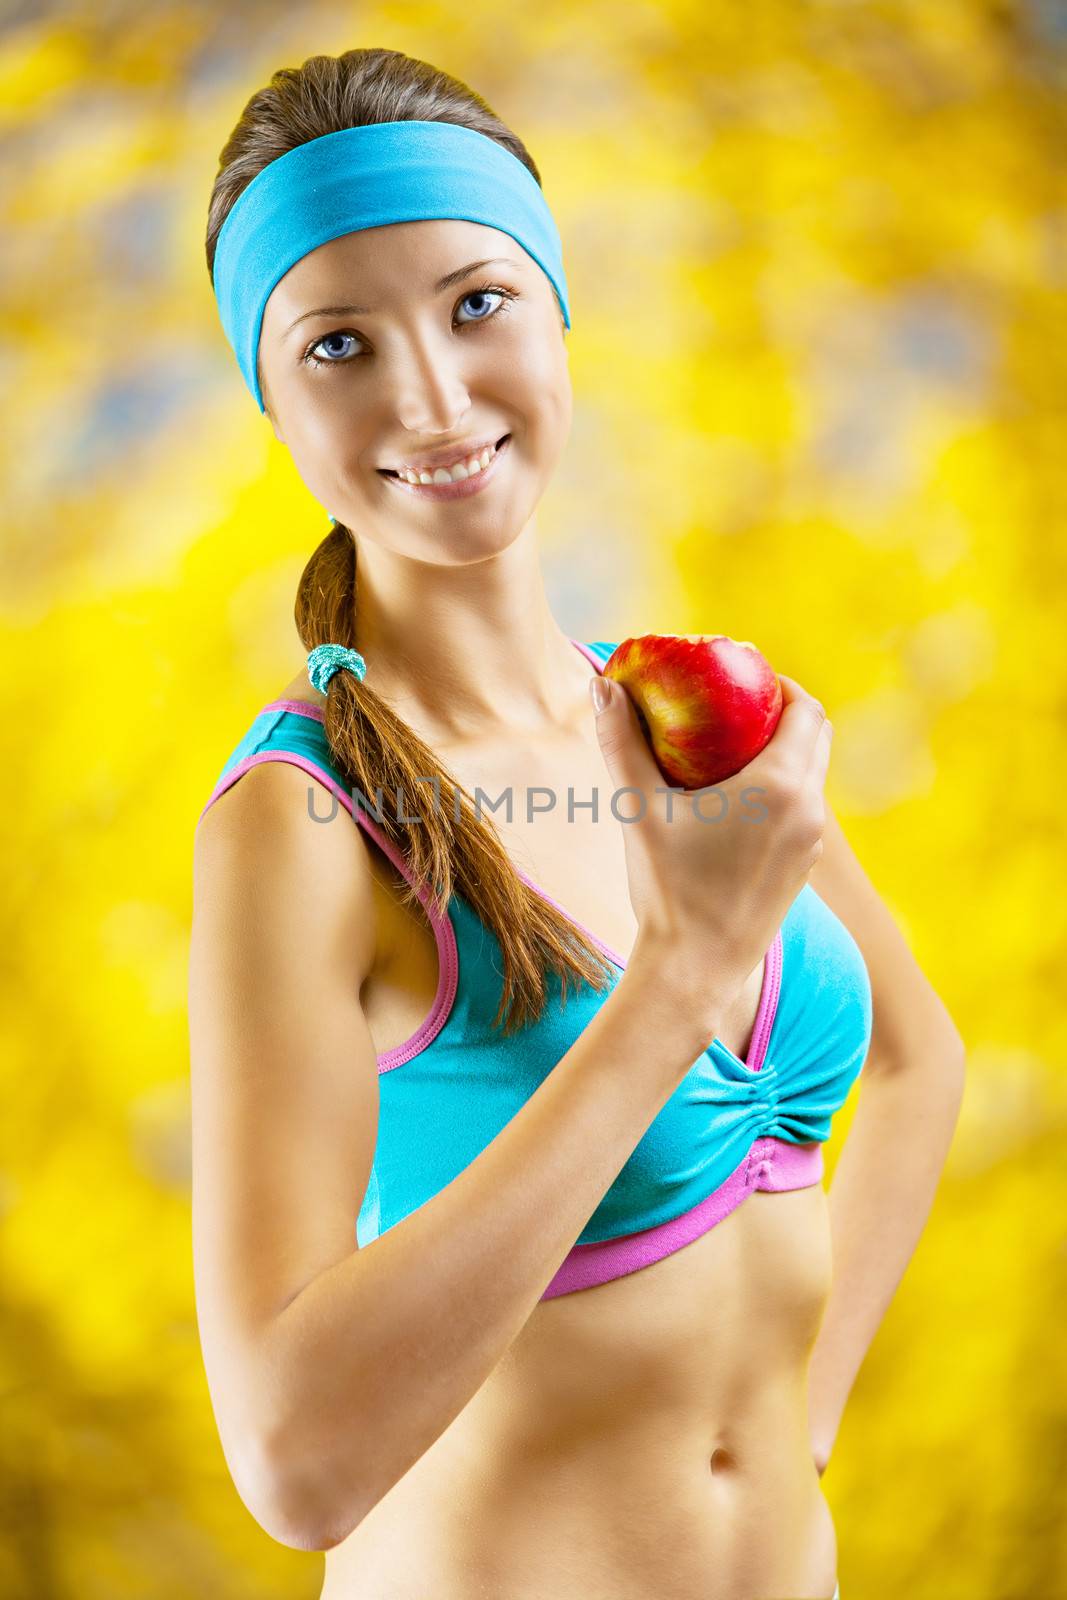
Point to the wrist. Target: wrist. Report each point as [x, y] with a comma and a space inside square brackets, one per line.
[689, 997]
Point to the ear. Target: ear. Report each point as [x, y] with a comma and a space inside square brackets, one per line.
[268, 413]
[270, 417]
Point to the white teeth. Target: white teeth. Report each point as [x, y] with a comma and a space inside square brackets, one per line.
[454, 474]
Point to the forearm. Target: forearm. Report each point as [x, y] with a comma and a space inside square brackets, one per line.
[379, 1354]
[879, 1201]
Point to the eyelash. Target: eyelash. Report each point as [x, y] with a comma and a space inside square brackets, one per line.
[509, 295]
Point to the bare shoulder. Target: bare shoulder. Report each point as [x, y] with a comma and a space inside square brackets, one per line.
[301, 688]
[261, 845]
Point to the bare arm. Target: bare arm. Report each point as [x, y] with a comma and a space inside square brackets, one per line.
[383, 1350]
[334, 1369]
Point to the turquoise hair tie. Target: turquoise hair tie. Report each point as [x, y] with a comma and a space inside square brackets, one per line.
[326, 659]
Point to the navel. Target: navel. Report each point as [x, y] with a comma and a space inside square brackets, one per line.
[721, 1461]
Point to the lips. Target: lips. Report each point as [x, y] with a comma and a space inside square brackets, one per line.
[460, 488]
[390, 472]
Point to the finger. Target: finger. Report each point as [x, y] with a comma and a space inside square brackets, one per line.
[820, 760]
[793, 741]
[625, 749]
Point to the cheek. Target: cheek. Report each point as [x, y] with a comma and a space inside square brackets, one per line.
[325, 452]
[332, 437]
[539, 383]
[558, 402]
[321, 427]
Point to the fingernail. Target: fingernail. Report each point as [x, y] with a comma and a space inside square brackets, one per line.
[600, 689]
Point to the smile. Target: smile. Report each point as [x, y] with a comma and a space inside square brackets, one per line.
[457, 489]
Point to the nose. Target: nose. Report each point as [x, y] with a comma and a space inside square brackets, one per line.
[430, 392]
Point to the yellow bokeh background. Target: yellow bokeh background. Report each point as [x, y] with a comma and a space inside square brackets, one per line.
[817, 256]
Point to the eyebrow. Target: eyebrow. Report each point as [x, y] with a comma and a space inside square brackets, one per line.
[440, 286]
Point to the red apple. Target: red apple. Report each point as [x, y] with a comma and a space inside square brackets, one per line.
[707, 703]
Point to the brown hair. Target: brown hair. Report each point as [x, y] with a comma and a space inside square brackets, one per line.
[452, 845]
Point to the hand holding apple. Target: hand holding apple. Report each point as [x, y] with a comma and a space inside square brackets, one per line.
[710, 899]
[707, 704]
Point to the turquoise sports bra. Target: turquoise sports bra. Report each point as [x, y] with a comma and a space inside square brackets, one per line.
[731, 1126]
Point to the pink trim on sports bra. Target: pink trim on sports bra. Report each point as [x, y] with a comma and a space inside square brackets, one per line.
[444, 933]
[301, 707]
[772, 977]
[772, 1164]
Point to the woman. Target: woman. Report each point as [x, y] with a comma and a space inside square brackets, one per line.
[565, 1358]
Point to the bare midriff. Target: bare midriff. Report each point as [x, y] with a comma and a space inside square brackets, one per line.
[648, 1436]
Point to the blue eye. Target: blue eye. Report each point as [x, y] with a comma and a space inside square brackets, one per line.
[321, 360]
[504, 296]
[480, 294]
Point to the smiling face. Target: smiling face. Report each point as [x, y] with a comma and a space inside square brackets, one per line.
[407, 365]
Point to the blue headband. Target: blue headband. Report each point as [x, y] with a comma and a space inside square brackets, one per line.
[367, 177]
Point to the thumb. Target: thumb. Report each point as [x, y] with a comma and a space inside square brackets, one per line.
[626, 752]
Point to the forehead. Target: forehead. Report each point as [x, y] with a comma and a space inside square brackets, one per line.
[384, 268]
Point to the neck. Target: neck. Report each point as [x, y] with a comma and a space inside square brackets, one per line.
[471, 652]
